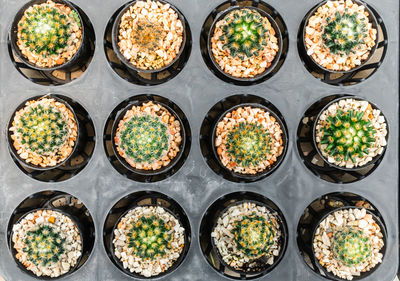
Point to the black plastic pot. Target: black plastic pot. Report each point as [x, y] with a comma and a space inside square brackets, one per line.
[376, 158]
[141, 171]
[10, 141]
[363, 275]
[14, 252]
[115, 33]
[14, 30]
[372, 20]
[274, 25]
[269, 169]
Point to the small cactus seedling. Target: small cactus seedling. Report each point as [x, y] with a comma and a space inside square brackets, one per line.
[344, 32]
[43, 129]
[44, 246]
[147, 35]
[254, 235]
[45, 30]
[347, 135]
[351, 247]
[244, 33]
[145, 138]
[248, 144]
[150, 237]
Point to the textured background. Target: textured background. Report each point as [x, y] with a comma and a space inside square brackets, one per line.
[292, 187]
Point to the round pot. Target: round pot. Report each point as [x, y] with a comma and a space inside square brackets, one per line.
[374, 160]
[10, 141]
[278, 35]
[141, 171]
[363, 274]
[30, 273]
[17, 51]
[268, 170]
[372, 20]
[115, 33]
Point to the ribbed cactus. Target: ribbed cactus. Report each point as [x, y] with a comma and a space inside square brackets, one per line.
[351, 246]
[43, 129]
[243, 33]
[150, 237]
[347, 135]
[344, 32]
[144, 138]
[254, 235]
[248, 144]
[147, 35]
[45, 30]
[44, 246]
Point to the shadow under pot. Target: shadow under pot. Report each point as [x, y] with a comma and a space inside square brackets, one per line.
[350, 133]
[349, 243]
[43, 132]
[48, 35]
[148, 138]
[340, 36]
[244, 43]
[143, 49]
[148, 241]
[249, 141]
[255, 243]
[47, 243]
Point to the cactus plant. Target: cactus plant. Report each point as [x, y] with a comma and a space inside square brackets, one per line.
[150, 237]
[254, 235]
[248, 144]
[44, 246]
[43, 129]
[147, 35]
[243, 33]
[351, 246]
[347, 135]
[344, 32]
[45, 30]
[145, 138]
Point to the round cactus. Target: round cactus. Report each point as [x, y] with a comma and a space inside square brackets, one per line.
[347, 135]
[254, 235]
[150, 237]
[43, 129]
[44, 246]
[45, 30]
[244, 33]
[248, 144]
[344, 32]
[144, 139]
[147, 34]
[351, 246]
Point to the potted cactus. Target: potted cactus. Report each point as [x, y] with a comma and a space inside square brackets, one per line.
[244, 43]
[249, 139]
[148, 36]
[147, 241]
[148, 136]
[43, 132]
[47, 34]
[247, 237]
[350, 133]
[349, 242]
[46, 243]
[340, 36]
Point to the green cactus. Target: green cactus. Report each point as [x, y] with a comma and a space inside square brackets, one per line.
[44, 246]
[150, 237]
[144, 139]
[344, 32]
[248, 144]
[45, 30]
[254, 235]
[244, 33]
[351, 246]
[347, 135]
[43, 129]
